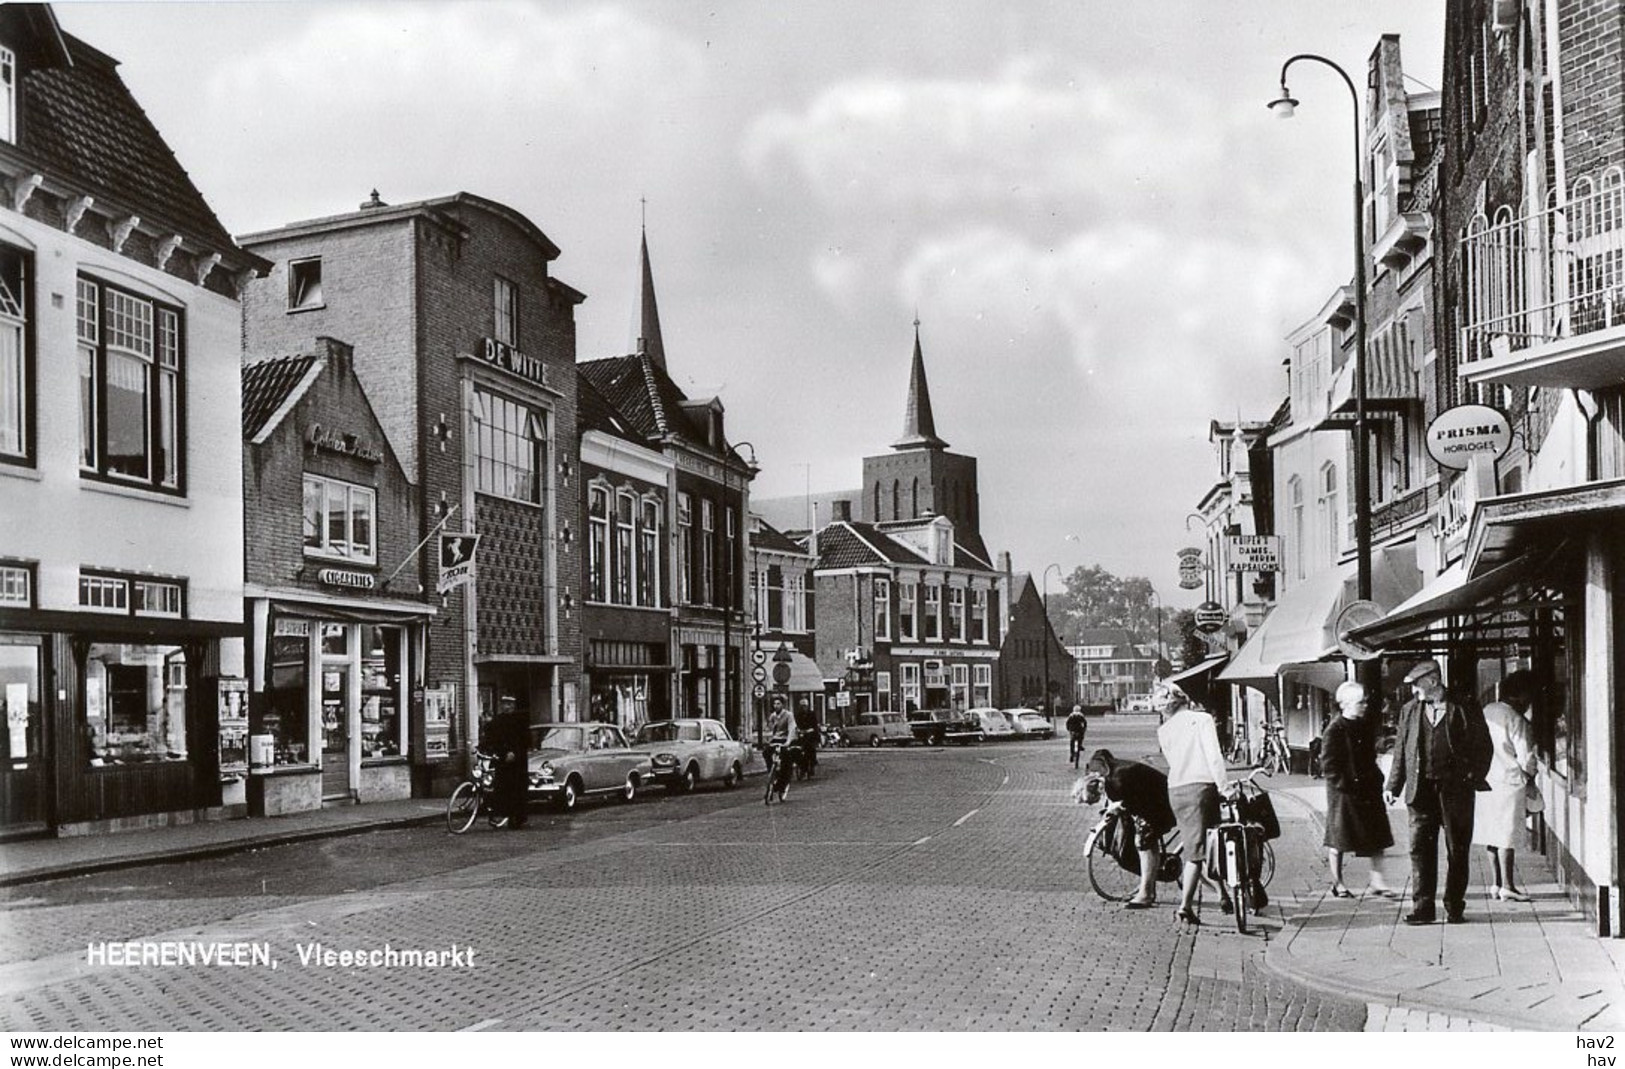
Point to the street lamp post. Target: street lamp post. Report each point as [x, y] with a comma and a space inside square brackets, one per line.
[1285, 107]
[1049, 707]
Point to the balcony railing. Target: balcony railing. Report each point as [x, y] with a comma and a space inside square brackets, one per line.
[1553, 274]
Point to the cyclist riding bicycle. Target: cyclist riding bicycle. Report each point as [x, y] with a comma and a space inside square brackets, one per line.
[806, 722]
[1077, 726]
[1142, 791]
[780, 726]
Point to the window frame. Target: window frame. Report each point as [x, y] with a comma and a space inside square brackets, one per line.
[599, 496]
[931, 625]
[128, 584]
[708, 554]
[624, 546]
[28, 573]
[908, 611]
[685, 547]
[500, 421]
[958, 624]
[26, 362]
[164, 362]
[882, 601]
[979, 615]
[505, 320]
[299, 285]
[648, 580]
[8, 86]
[326, 484]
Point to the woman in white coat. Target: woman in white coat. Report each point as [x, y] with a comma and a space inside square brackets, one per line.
[1498, 814]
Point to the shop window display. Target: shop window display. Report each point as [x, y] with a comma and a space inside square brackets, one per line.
[135, 703]
[380, 692]
[286, 718]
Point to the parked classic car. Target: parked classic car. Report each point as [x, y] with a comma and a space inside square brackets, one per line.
[1030, 723]
[684, 753]
[878, 729]
[937, 726]
[569, 761]
[991, 725]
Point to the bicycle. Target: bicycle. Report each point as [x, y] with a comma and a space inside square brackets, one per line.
[473, 796]
[1239, 855]
[1238, 754]
[783, 760]
[1110, 855]
[1273, 754]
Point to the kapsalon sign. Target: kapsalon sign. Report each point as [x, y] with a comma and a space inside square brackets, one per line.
[1458, 435]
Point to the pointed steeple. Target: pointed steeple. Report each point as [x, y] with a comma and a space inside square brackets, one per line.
[649, 340]
[919, 427]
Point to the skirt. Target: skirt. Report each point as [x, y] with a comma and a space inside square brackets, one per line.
[1498, 817]
[1196, 808]
[1355, 825]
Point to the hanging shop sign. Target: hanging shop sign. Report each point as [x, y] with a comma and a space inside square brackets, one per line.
[1190, 568]
[1255, 553]
[1357, 614]
[1459, 435]
[456, 560]
[1211, 616]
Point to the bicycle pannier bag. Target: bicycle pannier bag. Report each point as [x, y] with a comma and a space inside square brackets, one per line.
[1120, 842]
[1256, 808]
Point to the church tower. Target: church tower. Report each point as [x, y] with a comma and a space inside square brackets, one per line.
[920, 478]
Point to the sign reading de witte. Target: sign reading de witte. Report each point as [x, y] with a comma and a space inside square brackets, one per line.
[456, 560]
[1255, 553]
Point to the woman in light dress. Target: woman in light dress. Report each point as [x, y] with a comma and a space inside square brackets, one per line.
[1498, 813]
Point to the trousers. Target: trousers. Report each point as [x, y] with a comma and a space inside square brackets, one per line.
[1446, 807]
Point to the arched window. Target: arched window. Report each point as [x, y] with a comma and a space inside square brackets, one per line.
[916, 509]
[1331, 516]
[875, 513]
[896, 500]
[1294, 495]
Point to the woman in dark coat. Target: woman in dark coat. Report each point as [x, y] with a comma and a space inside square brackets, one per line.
[1356, 818]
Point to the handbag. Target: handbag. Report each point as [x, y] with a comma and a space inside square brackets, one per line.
[1533, 802]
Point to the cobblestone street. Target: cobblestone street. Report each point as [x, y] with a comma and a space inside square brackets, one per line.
[907, 889]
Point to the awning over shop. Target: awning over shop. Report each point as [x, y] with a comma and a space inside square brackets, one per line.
[1299, 629]
[1506, 526]
[1197, 679]
[1452, 593]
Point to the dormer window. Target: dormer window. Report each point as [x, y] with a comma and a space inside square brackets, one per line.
[8, 85]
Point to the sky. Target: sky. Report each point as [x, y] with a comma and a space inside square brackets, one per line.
[1103, 232]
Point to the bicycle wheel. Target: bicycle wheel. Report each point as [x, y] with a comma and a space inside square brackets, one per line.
[1110, 880]
[463, 809]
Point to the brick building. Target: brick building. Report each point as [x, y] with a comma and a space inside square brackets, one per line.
[465, 346]
[709, 501]
[784, 623]
[121, 566]
[1032, 660]
[911, 602]
[337, 630]
[1111, 666]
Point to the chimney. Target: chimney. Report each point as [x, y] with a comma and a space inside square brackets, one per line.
[372, 202]
[1004, 561]
[336, 351]
[841, 510]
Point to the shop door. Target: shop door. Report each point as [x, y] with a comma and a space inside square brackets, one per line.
[335, 732]
[24, 782]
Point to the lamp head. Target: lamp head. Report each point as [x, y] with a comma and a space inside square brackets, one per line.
[1284, 106]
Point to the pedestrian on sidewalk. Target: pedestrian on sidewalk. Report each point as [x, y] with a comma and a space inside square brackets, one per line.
[1440, 759]
[1196, 781]
[1498, 813]
[1356, 818]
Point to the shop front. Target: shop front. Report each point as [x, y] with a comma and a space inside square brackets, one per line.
[628, 682]
[332, 716]
[110, 720]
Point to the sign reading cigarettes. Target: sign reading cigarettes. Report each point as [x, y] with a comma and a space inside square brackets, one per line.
[1459, 435]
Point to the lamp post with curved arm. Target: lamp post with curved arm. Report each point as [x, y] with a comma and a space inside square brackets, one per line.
[1049, 706]
[1285, 106]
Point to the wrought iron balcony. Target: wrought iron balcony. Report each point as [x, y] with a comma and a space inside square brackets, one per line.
[1545, 293]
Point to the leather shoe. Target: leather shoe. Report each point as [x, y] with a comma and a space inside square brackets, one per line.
[1136, 903]
[1455, 918]
[1417, 916]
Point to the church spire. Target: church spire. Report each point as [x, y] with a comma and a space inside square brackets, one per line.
[919, 427]
[649, 340]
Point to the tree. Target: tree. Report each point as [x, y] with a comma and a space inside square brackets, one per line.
[1095, 597]
[1192, 645]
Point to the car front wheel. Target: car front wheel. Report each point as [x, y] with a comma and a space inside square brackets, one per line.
[735, 776]
[570, 796]
[629, 791]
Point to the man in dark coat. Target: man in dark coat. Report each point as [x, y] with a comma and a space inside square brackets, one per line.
[807, 735]
[507, 738]
[1441, 756]
[1077, 726]
[1143, 793]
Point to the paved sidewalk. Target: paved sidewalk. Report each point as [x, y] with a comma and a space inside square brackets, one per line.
[1535, 966]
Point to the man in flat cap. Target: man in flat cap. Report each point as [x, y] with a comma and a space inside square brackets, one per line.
[1440, 759]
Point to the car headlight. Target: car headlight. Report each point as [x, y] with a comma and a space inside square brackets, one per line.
[545, 772]
[664, 759]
